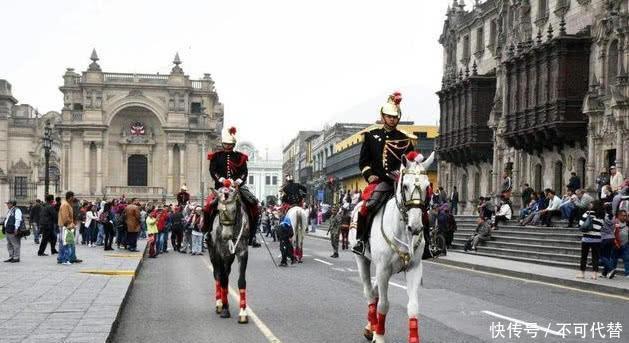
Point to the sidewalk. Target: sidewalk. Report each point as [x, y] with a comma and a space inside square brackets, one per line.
[531, 271]
[42, 301]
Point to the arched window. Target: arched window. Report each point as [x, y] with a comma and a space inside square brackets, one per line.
[612, 63]
[542, 9]
[558, 181]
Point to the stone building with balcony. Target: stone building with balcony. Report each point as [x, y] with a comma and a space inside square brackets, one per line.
[536, 88]
[142, 135]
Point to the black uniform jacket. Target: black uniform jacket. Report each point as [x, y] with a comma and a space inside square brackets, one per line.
[382, 152]
[228, 165]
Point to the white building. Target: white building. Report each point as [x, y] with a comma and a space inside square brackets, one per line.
[265, 175]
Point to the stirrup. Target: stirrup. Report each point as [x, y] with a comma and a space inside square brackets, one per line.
[359, 248]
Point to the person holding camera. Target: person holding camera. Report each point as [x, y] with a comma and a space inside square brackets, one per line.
[11, 225]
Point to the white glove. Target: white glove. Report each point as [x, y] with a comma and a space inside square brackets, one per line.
[221, 180]
[238, 181]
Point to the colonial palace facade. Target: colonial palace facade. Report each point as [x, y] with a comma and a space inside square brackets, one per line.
[141, 135]
[536, 88]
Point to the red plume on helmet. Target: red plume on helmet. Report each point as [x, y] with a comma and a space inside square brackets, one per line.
[232, 130]
[397, 97]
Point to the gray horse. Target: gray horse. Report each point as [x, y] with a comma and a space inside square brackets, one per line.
[227, 240]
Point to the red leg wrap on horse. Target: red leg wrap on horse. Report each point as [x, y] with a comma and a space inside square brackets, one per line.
[243, 298]
[224, 293]
[381, 320]
[413, 327]
[217, 290]
[371, 316]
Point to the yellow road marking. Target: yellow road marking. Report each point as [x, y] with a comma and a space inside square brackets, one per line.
[616, 296]
[108, 272]
[259, 323]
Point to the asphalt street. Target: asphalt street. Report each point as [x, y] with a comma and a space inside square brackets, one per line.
[321, 300]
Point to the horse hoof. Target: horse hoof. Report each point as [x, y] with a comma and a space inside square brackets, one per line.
[243, 319]
[225, 313]
[368, 334]
[378, 338]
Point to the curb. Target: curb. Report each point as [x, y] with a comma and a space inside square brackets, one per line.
[535, 277]
[116, 323]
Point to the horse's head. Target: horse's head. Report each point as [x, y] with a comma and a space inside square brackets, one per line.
[411, 188]
[228, 207]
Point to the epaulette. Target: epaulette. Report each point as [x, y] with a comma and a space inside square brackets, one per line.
[408, 134]
[371, 130]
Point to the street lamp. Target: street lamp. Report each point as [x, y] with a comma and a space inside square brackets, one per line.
[47, 147]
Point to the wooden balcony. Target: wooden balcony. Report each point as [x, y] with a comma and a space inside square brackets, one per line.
[546, 84]
[464, 136]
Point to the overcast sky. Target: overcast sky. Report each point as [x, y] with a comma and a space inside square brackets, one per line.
[279, 66]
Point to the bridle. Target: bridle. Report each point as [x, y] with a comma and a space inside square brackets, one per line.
[224, 216]
[415, 201]
[225, 219]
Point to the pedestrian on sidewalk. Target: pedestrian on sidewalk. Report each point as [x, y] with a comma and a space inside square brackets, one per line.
[621, 244]
[66, 222]
[151, 230]
[312, 216]
[11, 226]
[197, 234]
[590, 225]
[143, 215]
[177, 223]
[607, 245]
[120, 225]
[334, 231]
[90, 226]
[285, 233]
[33, 218]
[132, 220]
[47, 220]
[107, 220]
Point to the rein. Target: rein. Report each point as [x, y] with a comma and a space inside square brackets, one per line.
[225, 219]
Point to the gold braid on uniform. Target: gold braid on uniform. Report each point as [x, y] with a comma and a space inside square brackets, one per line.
[391, 146]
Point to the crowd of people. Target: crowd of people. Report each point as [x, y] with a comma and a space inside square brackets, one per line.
[602, 219]
[115, 224]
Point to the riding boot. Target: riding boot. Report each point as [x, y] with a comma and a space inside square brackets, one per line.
[362, 233]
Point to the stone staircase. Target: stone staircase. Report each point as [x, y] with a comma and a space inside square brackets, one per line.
[555, 246]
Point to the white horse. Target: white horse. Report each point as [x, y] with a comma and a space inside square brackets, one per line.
[397, 244]
[299, 219]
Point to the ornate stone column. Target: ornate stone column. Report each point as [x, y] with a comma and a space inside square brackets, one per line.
[99, 168]
[591, 159]
[619, 145]
[169, 184]
[86, 168]
[182, 169]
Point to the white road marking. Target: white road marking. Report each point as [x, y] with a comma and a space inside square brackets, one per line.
[396, 285]
[391, 283]
[306, 255]
[351, 270]
[324, 262]
[256, 320]
[526, 324]
[338, 269]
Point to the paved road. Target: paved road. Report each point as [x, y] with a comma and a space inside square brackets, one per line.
[317, 302]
